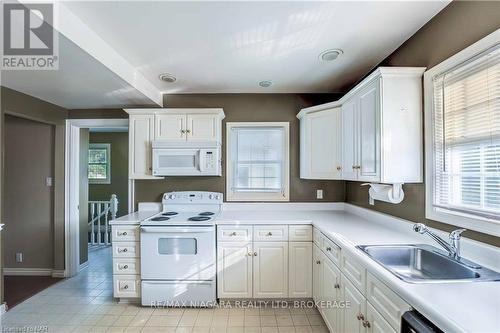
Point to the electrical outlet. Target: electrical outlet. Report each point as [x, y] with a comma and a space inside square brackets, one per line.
[319, 194]
[48, 181]
[19, 257]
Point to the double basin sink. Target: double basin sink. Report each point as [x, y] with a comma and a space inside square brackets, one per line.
[424, 263]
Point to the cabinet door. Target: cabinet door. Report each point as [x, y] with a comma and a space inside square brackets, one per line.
[202, 127]
[332, 294]
[357, 307]
[324, 136]
[141, 133]
[375, 322]
[270, 265]
[300, 269]
[317, 274]
[170, 127]
[349, 140]
[234, 270]
[369, 133]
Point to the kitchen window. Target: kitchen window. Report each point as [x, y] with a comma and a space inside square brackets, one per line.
[258, 161]
[463, 139]
[99, 165]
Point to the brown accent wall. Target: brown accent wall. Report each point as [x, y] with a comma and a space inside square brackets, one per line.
[248, 107]
[119, 170]
[29, 208]
[459, 25]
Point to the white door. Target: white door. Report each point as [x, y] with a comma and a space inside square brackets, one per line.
[349, 161]
[141, 134]
[202, 127]
[234, 270]
[317, 273]
[369, 133]
[170, 127]
[375, 323]
[300, 269]
[270, 270]
[325, 135]
[357, 307]
[331, 293]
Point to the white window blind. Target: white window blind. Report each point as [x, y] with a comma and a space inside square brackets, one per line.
[467, 137]
[258, 159]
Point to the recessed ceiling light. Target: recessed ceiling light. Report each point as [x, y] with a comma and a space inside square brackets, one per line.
[167, 78]
[330, 55]
[265, 84]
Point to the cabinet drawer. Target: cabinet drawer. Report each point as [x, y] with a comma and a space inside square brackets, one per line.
[385, 301]
[126, 250]
[234, 233]
[126, 285]
[354, 271]
[300, 233]
[331, 250]
[270, 233]
[317, 237]
[125, 233]
[126, 266]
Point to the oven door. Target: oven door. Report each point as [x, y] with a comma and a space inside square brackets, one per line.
[178, 253]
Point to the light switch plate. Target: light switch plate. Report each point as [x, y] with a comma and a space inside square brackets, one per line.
[319, 194]
[19, 257]
[48, 181]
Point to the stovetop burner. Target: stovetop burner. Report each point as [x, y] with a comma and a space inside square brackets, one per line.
[199, 218]
[160, 218]
[206, 214]
[169, 213]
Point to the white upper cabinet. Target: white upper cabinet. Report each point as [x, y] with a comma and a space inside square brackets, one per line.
[141, 133]
[173, 125]
[321, 145]
[381, 122]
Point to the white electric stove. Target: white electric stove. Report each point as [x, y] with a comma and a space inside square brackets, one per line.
[178, 251]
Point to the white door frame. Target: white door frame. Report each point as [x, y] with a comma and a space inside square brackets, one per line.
[72, 184]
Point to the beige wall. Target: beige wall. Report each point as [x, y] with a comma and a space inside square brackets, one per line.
[29, 202]
[247, 107]
[459, 25]
[84, 194]
[119, 170]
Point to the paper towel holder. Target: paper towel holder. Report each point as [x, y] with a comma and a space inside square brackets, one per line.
[392, 193]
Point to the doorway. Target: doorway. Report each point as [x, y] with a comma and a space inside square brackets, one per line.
[96, 168]
[29, 208]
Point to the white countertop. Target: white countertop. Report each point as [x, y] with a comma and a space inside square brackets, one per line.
[454, 307]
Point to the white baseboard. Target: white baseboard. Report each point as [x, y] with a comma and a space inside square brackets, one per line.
[84, 265]
[33, 272]
[3, 308]
[58, 273]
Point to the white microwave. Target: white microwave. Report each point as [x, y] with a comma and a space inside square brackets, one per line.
[187, 159]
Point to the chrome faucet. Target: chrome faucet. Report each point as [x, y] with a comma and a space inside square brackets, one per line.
[452, 246]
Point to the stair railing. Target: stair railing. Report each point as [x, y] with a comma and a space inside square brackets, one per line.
[100, 214]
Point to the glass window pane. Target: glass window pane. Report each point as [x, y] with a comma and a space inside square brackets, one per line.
[97, 155]
[172, 246]
[97, 171]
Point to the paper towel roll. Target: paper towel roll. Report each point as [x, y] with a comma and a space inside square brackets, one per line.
[392, 193]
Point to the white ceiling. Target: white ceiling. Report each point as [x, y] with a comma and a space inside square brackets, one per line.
[221, 47]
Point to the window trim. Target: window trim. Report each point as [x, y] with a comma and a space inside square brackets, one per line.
[472, 222]
[107, 146]
[258, 196]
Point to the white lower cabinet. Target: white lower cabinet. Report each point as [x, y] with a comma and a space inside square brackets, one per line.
[234, 262]
[255, 265]
[270, 266]
[354, 313]
[300, 269]
[364, 303]
[331, 295]
[126, 262]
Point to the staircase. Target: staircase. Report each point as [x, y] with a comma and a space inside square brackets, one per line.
[100, 213]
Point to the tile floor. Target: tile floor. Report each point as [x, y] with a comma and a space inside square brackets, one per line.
[84, 303]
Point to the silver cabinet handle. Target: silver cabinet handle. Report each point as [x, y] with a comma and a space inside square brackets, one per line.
[318, 262]
[233, 233]
[269, 233]
[125, 286]
[249, 254]
[122, 250]
[125, 266]
[328, 248]
[360, 316]
[336, 286]
[255, 254]
[366, 323]
[188, 131]
[122, 233]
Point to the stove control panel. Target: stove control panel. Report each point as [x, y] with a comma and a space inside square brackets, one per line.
[195, 197]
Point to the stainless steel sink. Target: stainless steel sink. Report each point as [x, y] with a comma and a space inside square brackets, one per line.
[424, 263]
